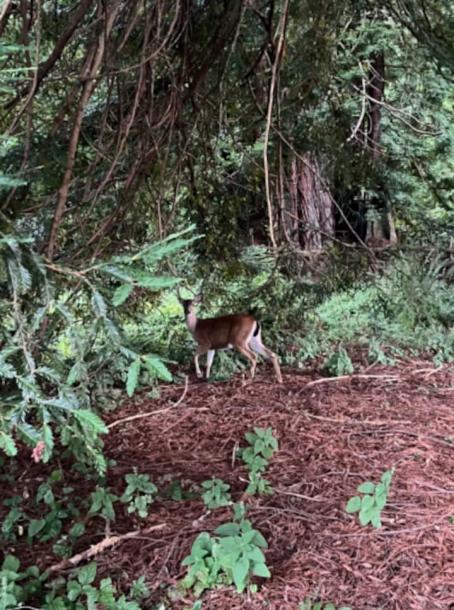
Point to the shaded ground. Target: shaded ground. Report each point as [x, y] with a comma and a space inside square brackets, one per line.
[333, 435]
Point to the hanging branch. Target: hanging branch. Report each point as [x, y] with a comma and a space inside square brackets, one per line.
[280, 47]
[89, 72]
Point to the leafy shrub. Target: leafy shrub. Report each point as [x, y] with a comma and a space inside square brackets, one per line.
[339, 363]
[232, 556]
[60, 333]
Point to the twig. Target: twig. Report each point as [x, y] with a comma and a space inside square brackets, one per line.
[282, 27]
[361, 422]
[349, 377]
[150, 413]
[98, 548]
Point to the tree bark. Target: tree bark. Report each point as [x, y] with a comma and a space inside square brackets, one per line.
[307, 214]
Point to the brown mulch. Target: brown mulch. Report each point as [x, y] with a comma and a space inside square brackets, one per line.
[333, 435]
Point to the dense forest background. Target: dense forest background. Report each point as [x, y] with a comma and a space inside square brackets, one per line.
[290, 158]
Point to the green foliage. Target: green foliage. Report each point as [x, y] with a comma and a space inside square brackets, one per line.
[102, 503]
[372, 502]
[139, 494]
[232, 556]
[308, 604]
[60, 335]
[81, 593]
[339, 363]
[262, 445]
[216, 493]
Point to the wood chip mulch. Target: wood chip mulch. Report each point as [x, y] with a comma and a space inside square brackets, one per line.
[333, 435]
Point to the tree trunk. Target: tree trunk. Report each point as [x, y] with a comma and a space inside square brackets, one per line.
[307, 212]
[380, 226]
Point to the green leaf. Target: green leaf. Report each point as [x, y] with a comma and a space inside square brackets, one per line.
[240, 573]
[89, 418]
[99, 304]
[387, 477]
[228, 529]
[353, 505]
[87, 574]
[133, 377]
[375, 519]
[121, 294]
[7, 444]
[366, 488]
[365, 516]
[11, 563]
[367, 502]
[35, 526]
[260, 569]
[157, 367]
[259, 540]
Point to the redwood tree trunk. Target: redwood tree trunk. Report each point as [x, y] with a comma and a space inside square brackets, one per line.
[307, 211]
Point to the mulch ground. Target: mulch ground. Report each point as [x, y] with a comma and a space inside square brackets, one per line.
[333, 434]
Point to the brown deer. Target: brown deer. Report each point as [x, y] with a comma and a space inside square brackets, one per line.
[239, 331]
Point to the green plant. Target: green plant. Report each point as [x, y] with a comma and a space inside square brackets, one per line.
[216, 493]
[139, 494]
[102, 502]
[12, 594]
[308, 604]
[82, 594]
[262, 445]
[61, 336]
[373, 500]
[232, 556]
[339, 363]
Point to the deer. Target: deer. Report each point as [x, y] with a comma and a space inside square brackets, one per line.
[239, 331]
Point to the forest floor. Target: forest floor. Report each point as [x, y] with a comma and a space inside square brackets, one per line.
[333, 433]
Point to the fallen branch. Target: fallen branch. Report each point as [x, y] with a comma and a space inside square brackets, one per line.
[150, 413]
[350, 377]
[100, 547]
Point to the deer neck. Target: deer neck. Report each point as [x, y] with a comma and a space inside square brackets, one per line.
[191, 322]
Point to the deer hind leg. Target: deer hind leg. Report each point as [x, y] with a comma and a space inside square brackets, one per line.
[210, 356]
[201, 349]
[243, 349]
[257, 345]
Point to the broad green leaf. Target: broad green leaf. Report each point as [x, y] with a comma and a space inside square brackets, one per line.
[260, 569]
[387, 477]
[35, 526]
[367, 502]
[255, 554]
[366, 488]
[157, 367]
[89, 418]
[329, 606]
[133, 377]
[228, 529]
[353, 505]
[365, 516]
[259, 540]
[87, 574]
[375, 519]
[380, 502]
[121, 294]
[11, 563]
[240, 573]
